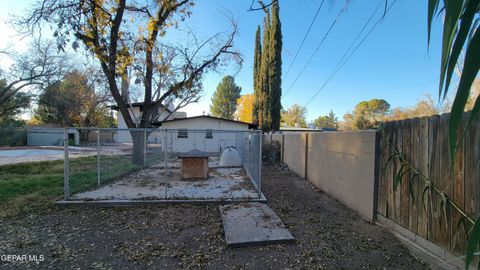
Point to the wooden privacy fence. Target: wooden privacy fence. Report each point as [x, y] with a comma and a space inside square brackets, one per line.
[423, 142]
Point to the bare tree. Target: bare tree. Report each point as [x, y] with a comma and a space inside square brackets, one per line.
[104, 29]
[30, 72]
[125, 35]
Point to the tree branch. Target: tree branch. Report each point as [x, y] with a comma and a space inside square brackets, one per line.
[161, 17]
[189, 79]
[263, 6]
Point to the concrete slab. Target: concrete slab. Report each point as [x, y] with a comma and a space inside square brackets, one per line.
[22, 154]
[252, 224]
[149, 184]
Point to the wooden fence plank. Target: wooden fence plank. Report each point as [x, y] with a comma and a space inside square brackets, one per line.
[424, 143]
[445, 181]
[423, 208]
[414, 160]
[382, 192]
[389, 173]
[397, 191]
[405, 189]
[457, 233]
[472, 169]
[433, 231]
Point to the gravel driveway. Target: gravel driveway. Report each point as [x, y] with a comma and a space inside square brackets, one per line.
[328, 236]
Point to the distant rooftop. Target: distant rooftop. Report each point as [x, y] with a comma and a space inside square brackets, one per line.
[250, 125]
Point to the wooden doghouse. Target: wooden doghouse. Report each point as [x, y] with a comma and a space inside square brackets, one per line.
[194, 165]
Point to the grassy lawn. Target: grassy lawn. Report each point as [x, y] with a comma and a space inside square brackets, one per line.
[30, 185]
[83, 171]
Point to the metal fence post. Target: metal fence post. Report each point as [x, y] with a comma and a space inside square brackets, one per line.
[166, 162]
[98, 157]
[66, 180]
[145, 148]
[260, 141]
[247, 152]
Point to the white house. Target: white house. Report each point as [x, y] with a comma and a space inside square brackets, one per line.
[135, 110]
[205, 133]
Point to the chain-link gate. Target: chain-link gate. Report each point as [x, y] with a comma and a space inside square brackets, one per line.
[163, 164]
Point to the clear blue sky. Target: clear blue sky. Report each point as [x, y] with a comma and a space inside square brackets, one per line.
[394, 63]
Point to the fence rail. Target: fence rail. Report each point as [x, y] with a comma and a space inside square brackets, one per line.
[423, 142]
[152, 164]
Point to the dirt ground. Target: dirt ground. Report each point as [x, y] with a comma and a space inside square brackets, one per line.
[328, 236]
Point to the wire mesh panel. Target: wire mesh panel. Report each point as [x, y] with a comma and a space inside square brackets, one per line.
[101, 158]
[159, 164]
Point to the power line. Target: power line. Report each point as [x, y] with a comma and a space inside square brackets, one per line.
[341, 64]
[304, 38]
[318, 47]
[352, 44]
[360, 33]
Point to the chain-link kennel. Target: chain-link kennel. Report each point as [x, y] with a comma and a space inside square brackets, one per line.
[161, 164]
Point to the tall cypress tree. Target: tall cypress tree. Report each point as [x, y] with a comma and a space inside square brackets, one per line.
[264, 109]
[256, 74]
[267, 72]
[275, 70]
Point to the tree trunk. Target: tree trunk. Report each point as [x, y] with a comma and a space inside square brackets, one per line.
[138, 150]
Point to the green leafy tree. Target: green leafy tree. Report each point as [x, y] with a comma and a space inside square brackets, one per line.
[294, 116]
[327, 121]
[263, 113]
[256, 76]
[224, 100]
[275, 70]
[268, 78]
[368, 114]
[73, 102]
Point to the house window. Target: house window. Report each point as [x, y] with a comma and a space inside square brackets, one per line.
[182, 133]
[209, 134]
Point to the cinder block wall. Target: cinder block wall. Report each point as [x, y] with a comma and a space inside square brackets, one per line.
[343, 165]
[294, 151]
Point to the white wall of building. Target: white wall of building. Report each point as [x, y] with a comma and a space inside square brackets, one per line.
[205, 123]
[124, 136]
[224, 133]
[196, 132]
